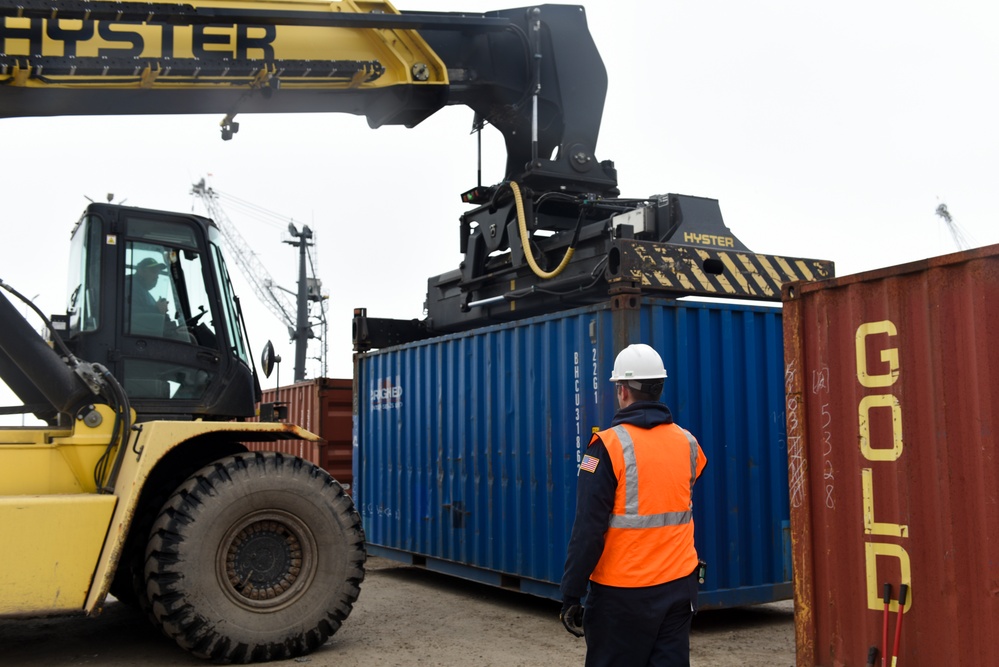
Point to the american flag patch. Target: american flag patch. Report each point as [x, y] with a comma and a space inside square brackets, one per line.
[589, 463]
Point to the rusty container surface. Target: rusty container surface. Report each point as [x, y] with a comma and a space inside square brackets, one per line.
[892, 397]
[324, 407]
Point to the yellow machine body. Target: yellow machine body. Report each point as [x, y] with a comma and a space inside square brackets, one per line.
[62, 539]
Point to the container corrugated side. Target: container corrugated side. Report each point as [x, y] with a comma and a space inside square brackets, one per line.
[324, 407]
[892, 403]
[468, 444]
[336, 397]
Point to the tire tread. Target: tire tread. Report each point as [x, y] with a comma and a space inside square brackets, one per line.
[173, 609]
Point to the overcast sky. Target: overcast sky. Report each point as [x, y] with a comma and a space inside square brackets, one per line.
[825, 130]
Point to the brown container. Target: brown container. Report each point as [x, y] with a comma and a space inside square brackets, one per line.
[892, 381]
[324, 407]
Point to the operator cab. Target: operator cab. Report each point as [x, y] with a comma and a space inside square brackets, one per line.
[150, 298]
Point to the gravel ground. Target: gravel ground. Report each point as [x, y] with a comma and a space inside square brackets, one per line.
[407, 616]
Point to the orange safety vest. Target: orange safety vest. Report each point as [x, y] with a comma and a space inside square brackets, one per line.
[650, 537]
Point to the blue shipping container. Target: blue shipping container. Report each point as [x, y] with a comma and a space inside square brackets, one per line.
[467, 445]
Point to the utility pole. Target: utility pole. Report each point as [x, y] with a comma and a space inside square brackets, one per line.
[303, 332]
[293, 310]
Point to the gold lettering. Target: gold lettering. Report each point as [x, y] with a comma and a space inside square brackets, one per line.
[872, 527]
[889, 356]
[864, 426]
[871, 552]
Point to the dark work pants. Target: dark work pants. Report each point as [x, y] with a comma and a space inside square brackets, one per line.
[640, 627]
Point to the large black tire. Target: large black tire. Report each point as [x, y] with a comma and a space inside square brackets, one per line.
[255, 557]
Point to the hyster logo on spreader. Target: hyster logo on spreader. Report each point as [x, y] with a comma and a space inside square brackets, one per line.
[386, 396]
[709, 239]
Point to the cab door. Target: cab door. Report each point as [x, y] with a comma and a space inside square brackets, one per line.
[157, 314]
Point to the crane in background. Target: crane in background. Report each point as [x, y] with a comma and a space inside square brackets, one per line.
[296, 314]
[960, 239]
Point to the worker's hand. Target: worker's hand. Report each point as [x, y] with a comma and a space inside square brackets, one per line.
[572, 617]
[163, 305]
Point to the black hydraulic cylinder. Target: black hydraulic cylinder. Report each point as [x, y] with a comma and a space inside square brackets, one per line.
[33, 370]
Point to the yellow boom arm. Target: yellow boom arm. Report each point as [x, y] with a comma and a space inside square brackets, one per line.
[533, 73]
[216, 57]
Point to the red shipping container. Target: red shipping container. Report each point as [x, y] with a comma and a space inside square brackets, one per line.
[323, 406]
[892, 390]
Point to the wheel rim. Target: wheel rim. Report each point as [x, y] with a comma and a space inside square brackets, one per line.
[266, 561]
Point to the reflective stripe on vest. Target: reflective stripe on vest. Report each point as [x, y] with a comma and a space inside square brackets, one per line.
[631, 518]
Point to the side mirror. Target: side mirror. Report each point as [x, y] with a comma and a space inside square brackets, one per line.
[268, 359]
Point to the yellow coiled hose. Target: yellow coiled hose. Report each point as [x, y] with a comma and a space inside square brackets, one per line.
[525, 240]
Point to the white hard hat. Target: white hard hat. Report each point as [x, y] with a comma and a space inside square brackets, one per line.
[638, 362]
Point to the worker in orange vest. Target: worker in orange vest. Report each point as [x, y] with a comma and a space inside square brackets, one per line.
[632, 540]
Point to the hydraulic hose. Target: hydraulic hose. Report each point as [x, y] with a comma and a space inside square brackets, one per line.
[525, 240]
